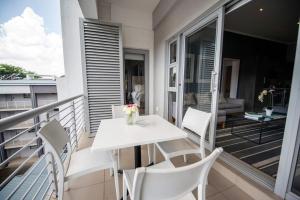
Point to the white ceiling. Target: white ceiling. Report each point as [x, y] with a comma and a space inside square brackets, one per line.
[277, 21]
[142, 5]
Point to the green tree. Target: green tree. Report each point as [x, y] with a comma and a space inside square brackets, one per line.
[10, 72]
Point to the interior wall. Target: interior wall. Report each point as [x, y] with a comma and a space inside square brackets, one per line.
[258, 59]
[181, 14]
[137, 33]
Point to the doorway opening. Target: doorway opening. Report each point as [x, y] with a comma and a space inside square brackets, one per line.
[261, 40]
[135, 79]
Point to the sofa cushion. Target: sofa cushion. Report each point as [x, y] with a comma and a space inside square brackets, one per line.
[228, 105]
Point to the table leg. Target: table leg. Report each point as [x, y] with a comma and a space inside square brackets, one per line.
[260, 133]
[137, 156]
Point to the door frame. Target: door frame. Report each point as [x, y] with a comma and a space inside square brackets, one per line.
[286, 161]
[145, 53]
[218, 16]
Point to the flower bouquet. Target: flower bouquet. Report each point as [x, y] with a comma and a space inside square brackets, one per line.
[269, 109]
[132, 112]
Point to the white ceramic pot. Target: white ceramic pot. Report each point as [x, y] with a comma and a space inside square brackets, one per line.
[269, 112]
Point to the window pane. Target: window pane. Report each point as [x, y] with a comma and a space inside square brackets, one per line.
[172, 107]
[173, 51]
[172, 77]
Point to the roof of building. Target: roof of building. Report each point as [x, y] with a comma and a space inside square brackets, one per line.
[28, 82]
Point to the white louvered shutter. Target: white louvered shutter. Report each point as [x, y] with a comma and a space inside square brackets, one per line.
[103, 65]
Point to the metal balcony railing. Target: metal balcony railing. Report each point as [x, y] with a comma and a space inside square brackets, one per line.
[35, 176]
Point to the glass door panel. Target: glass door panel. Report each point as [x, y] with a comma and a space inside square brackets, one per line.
[202, 45]
[199, 66]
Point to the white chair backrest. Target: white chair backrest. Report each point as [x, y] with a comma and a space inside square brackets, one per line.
[175, 183]
[198, 122]
[117, 111]
[57, 142]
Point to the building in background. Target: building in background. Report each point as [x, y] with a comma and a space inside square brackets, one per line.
[17, 96]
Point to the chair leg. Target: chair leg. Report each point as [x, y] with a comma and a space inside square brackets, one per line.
[154, 153]
[124, 189]
[66, 186]
[116, 177]
[149, 154]
[118, 159]
[201, 192]
[184, 158]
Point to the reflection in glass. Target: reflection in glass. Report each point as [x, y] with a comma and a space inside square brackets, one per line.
[172, 76]
[199, 64]
[172, 107]
[173, 51]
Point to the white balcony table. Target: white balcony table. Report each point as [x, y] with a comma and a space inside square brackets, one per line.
[116, 134]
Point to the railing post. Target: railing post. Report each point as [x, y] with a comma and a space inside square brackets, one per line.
[3, 153]
[54, 174]
[74, 118]
[47, 117]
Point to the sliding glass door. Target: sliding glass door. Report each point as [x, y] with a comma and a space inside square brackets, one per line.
[200, 74]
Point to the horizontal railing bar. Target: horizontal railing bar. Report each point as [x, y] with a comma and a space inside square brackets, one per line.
[67, 122]
[19, 167]
[35, 180]
[78, 100]
[65, 116]
[27, 174]
[21, 133]
[17, 152]
[80, 105]
[80, 123]
[60, 111]
[42, 184]
[78, 119]
[23, 116]
[51, 194]
[47, 190]
[79, 113]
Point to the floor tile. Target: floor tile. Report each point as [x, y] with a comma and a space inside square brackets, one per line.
[235, 193]
[219, 196]
[218, 181]
[93, 192]
[87, 180]
[211, 190]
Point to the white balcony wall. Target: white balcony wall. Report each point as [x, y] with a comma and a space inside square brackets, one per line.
[167, 23]
[71, 83]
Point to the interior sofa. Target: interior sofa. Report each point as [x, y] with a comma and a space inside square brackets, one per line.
[232, 106]
[229, 106]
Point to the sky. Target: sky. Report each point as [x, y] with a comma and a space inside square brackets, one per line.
[30, 35]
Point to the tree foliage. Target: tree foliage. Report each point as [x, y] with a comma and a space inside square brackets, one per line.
[10, 72]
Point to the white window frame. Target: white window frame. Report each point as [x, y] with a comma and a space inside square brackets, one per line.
[172, 65]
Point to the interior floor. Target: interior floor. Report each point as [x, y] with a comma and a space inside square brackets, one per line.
[256, 143]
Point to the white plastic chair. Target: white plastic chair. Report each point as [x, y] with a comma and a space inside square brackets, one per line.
[196, 121]
[78, 163]
[165, 182]
[117, 112]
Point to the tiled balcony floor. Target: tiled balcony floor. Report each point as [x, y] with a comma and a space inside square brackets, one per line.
[100, 185]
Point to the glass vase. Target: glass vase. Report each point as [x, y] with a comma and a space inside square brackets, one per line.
[131, 118]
